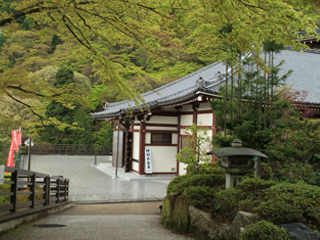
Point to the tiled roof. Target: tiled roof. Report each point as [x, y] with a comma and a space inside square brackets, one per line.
[305, 76]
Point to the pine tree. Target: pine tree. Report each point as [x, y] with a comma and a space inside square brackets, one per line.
[60, 112]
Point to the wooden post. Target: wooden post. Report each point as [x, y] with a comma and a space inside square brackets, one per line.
[58, 189]
[65, 189]
[47, 191]
[33, 190]
[95, 147]
[29, 154]
[14, 190]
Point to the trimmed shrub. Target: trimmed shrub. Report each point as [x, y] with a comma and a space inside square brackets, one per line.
[276, 202]
[244, 197]
[200, 197]
[179, 184]
[264, 230]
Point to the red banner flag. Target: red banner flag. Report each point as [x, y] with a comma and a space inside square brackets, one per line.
[14, 134]
[19, 137]
[11, 155]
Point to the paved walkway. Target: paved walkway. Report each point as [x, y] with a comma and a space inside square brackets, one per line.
[90, 183]
[121, 221]
[92, 213]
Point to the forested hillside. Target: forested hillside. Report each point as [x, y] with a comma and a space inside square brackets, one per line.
[117, 49]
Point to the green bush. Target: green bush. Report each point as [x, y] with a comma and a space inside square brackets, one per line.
[200, 196]
[276, 202]
[244, 197]
[287, 202]
[264, 230]
[209, 168]
[179, 184]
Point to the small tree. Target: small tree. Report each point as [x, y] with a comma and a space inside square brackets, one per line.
[195, 148]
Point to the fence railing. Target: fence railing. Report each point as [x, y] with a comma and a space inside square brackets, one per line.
[68, 149]
[26, 192]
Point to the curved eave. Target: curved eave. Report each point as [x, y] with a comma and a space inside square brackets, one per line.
[234, 151]
[151, 105]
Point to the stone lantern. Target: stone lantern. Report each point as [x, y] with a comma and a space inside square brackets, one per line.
[237, 161]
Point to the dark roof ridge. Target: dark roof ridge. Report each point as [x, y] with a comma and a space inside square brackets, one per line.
[181, 79]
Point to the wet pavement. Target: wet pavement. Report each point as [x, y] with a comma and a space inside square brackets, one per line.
[102, 207]
[118, 221]
[96, 183]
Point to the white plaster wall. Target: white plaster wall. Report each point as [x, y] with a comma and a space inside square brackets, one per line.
[186, 120]
[161, 128]
[182, 168]
[187, 108]
[174, 138]
[204, 106]
[135, 166]
[163, 158]
[148, 138]
[136, 127]
[164, 119]
[205, 119]
[136, 143]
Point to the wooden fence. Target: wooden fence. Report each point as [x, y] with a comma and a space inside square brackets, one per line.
[26, 192]
[68, 149]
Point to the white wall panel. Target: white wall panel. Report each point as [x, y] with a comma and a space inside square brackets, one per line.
[186, 120]
[136, 145]
[187, 108]
[148, 138]
[182, 170]
[204, 106]
[164, 119]
[161, 128]
[163, 159]
[174, 139]
[135, 166]
[205, 119]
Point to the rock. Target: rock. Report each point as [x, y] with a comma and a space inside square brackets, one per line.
[203, 226]
[180, 214]
[241, 220]
[300, 231]
[167, 210]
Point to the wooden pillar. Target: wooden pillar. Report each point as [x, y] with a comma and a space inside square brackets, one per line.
[142, 147]
[195, 107]
[179, 143]
[214, 131]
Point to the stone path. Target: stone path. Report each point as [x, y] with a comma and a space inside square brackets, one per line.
[89, 183]
[121, 221]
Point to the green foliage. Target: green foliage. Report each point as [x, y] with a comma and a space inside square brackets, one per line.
[299, 141]
[64, 77]
[105, 134]
[248, 120]
[199, 189]
[275, 202]
[83, 134]
[200, 196]
[264, 230]
[180, 183]
[291, 172]
[60, 112]
[195, 148]
[244, 197]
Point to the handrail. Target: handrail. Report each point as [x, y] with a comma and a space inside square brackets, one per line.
[69, 149]
[29, 192]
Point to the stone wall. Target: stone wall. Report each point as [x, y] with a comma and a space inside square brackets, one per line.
[179, 215]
